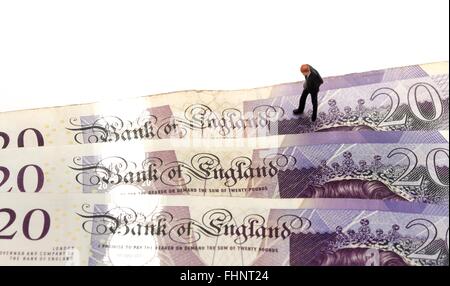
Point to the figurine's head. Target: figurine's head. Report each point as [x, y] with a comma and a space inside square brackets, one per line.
[305, 70]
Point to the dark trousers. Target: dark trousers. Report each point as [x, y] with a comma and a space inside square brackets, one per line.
[301, 106]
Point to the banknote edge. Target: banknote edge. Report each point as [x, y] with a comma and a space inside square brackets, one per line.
[216, 90]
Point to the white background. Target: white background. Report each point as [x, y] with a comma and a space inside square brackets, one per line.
[64, 52]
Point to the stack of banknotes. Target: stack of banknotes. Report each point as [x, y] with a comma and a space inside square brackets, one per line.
[233, 177]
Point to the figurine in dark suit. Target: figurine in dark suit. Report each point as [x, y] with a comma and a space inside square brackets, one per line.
[311, 85]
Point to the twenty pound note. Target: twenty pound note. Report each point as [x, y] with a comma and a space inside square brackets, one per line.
[409, 98]
[395, 171]
[98, 229]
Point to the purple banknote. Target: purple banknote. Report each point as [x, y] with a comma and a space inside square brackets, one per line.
[99, 229]
[413, 98]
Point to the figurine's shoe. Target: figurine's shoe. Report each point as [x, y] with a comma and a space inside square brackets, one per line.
[297, 112]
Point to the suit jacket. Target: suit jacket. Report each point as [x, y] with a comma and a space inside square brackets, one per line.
[314, 80]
